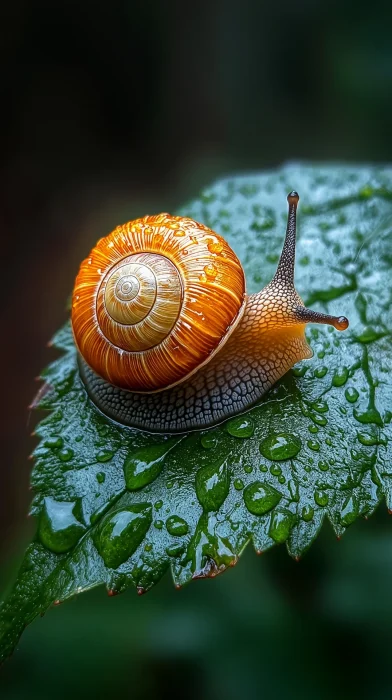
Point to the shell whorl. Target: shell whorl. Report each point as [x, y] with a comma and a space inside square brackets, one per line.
[155, 300]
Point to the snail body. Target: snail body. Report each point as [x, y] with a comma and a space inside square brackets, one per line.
[169, 340]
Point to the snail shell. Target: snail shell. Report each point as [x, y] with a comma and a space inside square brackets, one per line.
[155, 300]
[168, 340]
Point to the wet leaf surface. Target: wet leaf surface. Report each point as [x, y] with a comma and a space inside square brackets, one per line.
[118, 507]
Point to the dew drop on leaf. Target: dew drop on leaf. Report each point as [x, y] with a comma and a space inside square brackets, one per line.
[104, 456]
[212, 485]
[59, 529]
[340, 376]
[307, 513]
[240, 427]
[351, 394]
[120, 533]
[321, 498]
[282, 521]
[54, 441]
[280, 446]
[143, 466]
[260, 497]
[176, 525]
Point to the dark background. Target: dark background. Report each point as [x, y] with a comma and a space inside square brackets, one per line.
[118, 109]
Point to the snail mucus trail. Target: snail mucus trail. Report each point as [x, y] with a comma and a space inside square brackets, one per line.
[150, 358]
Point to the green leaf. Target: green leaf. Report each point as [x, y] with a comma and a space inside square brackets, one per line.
[119, 507]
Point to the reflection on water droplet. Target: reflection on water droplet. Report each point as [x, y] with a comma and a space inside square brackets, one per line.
[340, 377]
[280, 446]
[159, 524]
[54, 441]
[203, 278]
[120, 533]
[158, 505]
[240, 427]
[275, 470]
[212, 485]
[214, 246]
[65, 455]
[321, 498]
[313, 445]
[211, 270]
[175, 550]
[369, 416]
[59, 529]
[177, 526]
[324, 466]
[238, 484]
[300, 371]
[209, 440]
[282, 521]
[320, 406]
[350, 511]
[144, 465]
[351, 394]
[101, 476]
[179, 233]
[367, 439]
[260, 497]
[104, 456]
[313, 428]
[307, 513]
[320, 372]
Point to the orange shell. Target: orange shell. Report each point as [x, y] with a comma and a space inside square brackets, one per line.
[155, 300]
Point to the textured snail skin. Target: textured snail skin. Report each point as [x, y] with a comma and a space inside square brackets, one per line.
[265, 340]
[258, 353]
[155, 300]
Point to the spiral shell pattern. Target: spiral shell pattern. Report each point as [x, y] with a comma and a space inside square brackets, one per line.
[155, 300]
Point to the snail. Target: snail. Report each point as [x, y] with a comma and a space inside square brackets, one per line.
[167, 338]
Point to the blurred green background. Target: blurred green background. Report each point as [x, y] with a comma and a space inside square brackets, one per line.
[114, 110]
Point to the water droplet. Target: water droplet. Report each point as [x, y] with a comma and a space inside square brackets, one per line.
[143, 466]
[260, 497]
[282, 521]
[177, 526]
[340, 376]
[313, 428]
[104, 456]
[120, 533]
[54, 441]
[300, 371]
[350, 511]
[369, 416]
[367, 439]
[159, 524]
[321, 498]
[351, 394]
[212, 485]
[275, 470]
[238, 484]
[320, 406]
[179, 233]
[313, 445]
[307, 513]
[214, 246]
[211, 270]
[324, 466]
[175, 550]
[320, 372]
[101, 476]
[203, 278]
[158, 505]
[59, 529]
[281, 479]
[280, 446]
[321, 354]
[66, 454]
[240, 427]
[209, 440]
